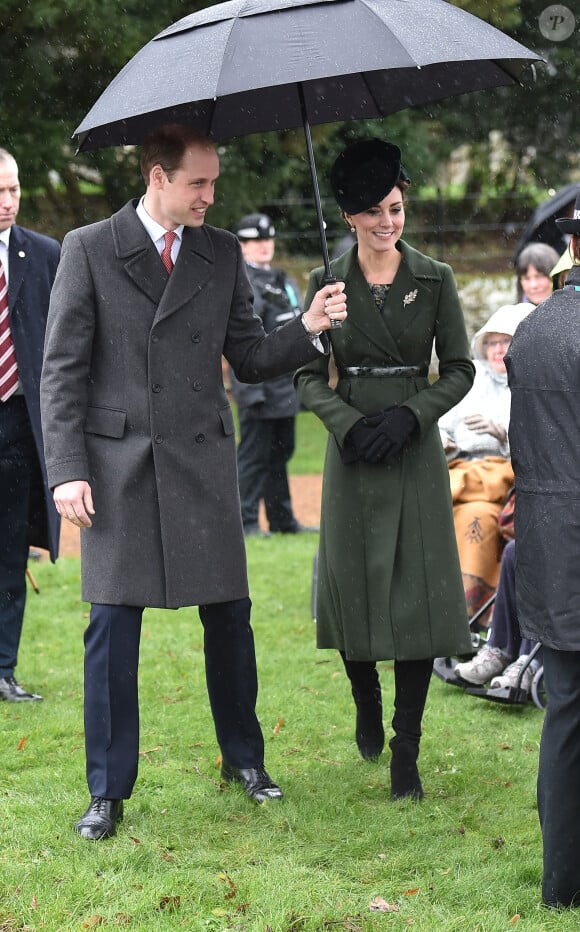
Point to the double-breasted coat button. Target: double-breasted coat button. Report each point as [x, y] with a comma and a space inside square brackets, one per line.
[156, 387]
[154, 338]
[196, 337]
[200, 438]
[158, 438]
[197, 386]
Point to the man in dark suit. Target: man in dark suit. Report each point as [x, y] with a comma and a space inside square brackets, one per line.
[140, 450]
[28, 263]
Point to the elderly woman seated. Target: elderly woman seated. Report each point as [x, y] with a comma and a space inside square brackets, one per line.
[475, 439]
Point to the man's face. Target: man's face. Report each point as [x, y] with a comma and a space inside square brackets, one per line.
[9, 193]
[185, 198]
[258, 251]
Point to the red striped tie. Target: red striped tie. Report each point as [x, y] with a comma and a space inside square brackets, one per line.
[8, 367]
[166, 254]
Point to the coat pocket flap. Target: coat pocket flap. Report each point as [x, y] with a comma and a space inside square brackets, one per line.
[110, 422]
[227, 419]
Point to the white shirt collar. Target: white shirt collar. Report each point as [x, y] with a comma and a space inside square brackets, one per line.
[154, 229]
[4, 244]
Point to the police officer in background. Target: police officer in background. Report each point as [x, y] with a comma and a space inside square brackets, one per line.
[267, 410]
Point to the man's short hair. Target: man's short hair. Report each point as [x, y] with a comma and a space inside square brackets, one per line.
[6, 156]
[167, 145]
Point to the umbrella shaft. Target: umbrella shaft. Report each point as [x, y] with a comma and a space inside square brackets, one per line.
[329, 278]
[315, 188]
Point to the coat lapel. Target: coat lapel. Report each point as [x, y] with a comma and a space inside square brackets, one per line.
[364, 314]
[19, 258]
[405, 301]
[194, 267]
[135, 248]
[411, 290]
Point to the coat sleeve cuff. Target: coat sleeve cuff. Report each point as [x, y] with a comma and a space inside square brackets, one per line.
[67, 471]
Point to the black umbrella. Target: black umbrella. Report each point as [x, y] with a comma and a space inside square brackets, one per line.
[249, 66]
[541, 227]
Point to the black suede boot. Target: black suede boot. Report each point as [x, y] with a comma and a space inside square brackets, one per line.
[366, 692]
[405, 779]
[412, 678]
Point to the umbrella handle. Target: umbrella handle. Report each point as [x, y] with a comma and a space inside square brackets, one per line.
[329, 279]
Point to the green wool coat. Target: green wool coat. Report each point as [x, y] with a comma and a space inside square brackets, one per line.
[389, 581]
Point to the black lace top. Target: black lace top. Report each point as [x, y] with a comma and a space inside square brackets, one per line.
[379, 293]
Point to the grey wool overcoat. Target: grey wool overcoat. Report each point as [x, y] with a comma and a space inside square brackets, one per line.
[543, 364]
[133, 402]
[389, 582]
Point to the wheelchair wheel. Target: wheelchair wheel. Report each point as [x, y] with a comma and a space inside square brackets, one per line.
[539, 689]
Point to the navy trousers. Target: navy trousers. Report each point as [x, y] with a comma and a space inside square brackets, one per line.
[111, 691]
[264, 450]
[19, 472]
[559, 779]
[505, 628]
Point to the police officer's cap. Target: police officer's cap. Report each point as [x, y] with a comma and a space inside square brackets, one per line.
[255, 226]
[364, 173]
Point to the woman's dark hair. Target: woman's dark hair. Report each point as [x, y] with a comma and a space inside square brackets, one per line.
[401, 184]
[541, 256]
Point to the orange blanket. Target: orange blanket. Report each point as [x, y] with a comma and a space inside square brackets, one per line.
[478, 490]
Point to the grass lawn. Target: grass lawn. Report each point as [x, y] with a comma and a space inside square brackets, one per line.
[311, 437]
[194, 855]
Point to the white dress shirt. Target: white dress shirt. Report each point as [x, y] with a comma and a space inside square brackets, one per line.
[4, 241]
[157, 232]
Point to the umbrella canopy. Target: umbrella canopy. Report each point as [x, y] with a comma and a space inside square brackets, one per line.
[541, 227]
[249, 66]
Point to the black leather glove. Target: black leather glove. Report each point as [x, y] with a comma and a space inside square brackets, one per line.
[358, 438]
[390, 435]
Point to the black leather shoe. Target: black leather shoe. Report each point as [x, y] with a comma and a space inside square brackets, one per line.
[12, 691]
[101, 818]
[257, 784]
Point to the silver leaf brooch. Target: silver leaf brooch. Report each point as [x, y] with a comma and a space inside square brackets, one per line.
[410, 297]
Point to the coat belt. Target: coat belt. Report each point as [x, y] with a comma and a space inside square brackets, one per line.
[384, 372]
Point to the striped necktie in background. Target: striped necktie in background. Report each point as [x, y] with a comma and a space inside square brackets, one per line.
[8, 367]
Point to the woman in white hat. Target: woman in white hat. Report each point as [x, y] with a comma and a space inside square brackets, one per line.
[475, 438]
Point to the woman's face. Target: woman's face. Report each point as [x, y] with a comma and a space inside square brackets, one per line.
[380, 227]
[495, 346]
[535, 285]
